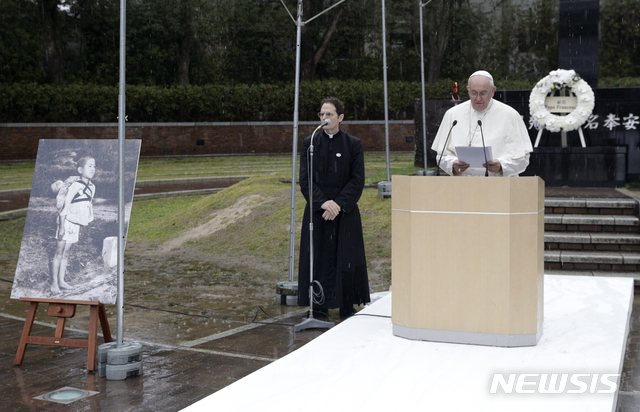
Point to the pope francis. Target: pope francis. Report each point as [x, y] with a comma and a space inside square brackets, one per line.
[501, 125]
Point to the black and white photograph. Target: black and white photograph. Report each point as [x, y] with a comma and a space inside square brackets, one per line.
[69, 245]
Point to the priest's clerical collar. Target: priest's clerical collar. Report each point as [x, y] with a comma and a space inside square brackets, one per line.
[330, 135]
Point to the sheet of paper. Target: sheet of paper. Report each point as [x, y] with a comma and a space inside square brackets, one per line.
[473, 155]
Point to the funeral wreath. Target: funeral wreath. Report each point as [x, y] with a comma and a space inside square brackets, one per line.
[557, 80]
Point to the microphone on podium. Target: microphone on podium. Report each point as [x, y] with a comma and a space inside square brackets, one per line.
[455, 122]
[484, 149]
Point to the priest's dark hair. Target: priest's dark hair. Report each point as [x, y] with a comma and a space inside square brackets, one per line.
[337, 103]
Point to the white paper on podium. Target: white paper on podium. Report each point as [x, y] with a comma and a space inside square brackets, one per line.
[473, 155]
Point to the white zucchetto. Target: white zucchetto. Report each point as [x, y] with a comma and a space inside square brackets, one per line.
[482, 73]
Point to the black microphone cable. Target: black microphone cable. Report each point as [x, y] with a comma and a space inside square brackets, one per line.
[484, 149]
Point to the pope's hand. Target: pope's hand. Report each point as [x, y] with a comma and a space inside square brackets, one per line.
[459, 167]
[494, 166]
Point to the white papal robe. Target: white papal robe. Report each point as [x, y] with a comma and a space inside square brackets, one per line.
[503, 128]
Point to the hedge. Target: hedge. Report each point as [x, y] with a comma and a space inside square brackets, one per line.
[82, 103]
[26, 103]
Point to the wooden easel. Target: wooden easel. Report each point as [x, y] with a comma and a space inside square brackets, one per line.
[563, 135]
[63, 309]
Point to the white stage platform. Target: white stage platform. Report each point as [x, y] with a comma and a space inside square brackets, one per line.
[360, 365]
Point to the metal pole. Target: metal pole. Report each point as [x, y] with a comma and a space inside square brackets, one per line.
[311, 322]
[292, 223]
[121, 140]
[424, 116]
[386, 100]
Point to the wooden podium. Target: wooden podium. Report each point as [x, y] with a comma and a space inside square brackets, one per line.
[468, 259]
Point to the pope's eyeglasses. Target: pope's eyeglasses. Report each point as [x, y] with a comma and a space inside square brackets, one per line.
[481, 94]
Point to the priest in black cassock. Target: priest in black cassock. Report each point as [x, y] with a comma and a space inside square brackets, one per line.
[340, 267]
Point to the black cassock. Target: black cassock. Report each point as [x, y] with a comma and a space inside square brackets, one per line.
[339, 259]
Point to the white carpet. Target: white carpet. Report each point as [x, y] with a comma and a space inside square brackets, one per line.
[359, 365]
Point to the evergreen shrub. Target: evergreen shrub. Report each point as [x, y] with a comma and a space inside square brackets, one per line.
[89, 103]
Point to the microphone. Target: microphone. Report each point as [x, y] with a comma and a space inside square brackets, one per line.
[326, 122]
[484, 149]
[455, 122]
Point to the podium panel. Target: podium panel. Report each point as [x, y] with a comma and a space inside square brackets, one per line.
[468, 259]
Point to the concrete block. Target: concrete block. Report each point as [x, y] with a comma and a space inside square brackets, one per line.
[121, 372]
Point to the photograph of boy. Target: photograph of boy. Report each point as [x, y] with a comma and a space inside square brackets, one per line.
[69, 244]
[76, 210]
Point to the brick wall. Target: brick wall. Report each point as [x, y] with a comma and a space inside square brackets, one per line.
[20, 141]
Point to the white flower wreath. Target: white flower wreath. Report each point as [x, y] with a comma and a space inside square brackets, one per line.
[556, 80]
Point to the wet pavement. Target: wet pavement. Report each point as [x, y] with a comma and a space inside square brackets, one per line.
[189, 351]
[14, 200]
[173, 378]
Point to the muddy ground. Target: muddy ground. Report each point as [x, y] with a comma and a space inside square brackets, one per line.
[175, 295]
[174, 298]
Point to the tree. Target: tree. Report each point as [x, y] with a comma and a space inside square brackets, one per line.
[94, 41]
[403, 33]
[354, 49]
[185, 39]
[181, 42]
[503, 37]
[528, 46]
[52, 40]
[20, 48]
[317, 36]
[540, 38]
[438, 28]
[620, 45]
[254, 42]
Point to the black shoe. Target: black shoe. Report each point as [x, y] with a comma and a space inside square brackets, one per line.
[347, 312]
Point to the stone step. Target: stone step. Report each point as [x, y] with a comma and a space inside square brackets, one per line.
[591, 223]
[609, 220]
[618, 261]
[592, 236]
[602, 241]
[592, 203]
[634, 275]
[591, 206]
[603, 238]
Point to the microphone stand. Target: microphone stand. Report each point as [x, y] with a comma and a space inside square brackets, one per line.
[484, 149]
[311, 322]
[455, 122]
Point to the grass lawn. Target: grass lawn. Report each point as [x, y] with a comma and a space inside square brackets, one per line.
[251, 218]
[19, 175]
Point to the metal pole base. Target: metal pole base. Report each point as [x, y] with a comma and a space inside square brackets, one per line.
[384, 190]
[119, 362]
[311, 323]
[287, 293]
